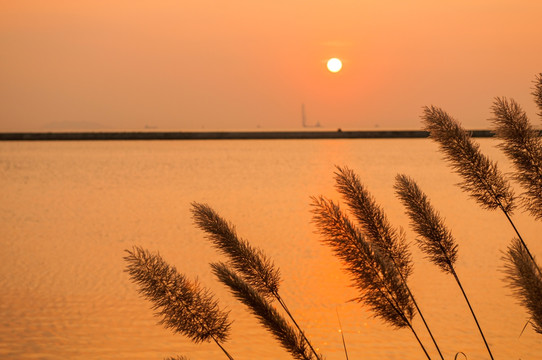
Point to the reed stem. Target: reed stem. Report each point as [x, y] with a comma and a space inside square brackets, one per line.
[419, 341]
[283, 304]
[421, 315]
[472, 311]
[393, 302]
[342, 334]
[222, 348]
[520, 238]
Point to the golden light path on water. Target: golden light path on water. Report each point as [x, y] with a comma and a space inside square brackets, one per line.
[70, 209]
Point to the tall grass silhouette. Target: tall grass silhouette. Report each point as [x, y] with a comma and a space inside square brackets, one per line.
[290, 338]
[522, 144]
[537, 92]
[525, 280]
[372, 273]
[435, 240]
[253, 265]
[483, 180]
[375, 255]
[184, 306]
[373, 221]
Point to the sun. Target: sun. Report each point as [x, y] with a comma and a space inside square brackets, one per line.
[334, 65]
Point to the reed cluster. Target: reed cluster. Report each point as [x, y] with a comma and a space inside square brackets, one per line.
[250, 275]
[374, 253]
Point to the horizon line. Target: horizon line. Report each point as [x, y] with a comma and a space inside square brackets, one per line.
[225, 135]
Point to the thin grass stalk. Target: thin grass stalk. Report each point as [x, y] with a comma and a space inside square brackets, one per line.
[252, 263]
[372, 273]
[290, 315]
[184, 306]
[436, 241]
[525, 281]
[374, 221]
[520, 238]
[342, 334]
[473, 314]
[289, 338]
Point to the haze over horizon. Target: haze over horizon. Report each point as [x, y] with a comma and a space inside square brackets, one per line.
[233, 65]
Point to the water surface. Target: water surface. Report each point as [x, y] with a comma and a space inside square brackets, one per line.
[69, 209]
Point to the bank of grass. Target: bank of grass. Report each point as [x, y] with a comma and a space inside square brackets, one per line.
[373, 252]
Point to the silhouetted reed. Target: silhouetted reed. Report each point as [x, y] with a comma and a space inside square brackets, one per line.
[373, 220]
[481, 177]
[537, 92]
[372, 273]
[521, 143]
[184, 306]
[525, 280]
[435, 240]
[253, 265]
[376, 227]
[374, 254]
[269, 317]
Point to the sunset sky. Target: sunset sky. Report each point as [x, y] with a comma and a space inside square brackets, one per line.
[240, 64]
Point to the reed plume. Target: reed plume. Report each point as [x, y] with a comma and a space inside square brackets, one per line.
[481, 177]
[178, 357]
[521, 143]
[371, 272]
[258, 270]
[184, 306]
[435, 240]
[377, 228]
[269, 317]
[253, 265]
[537, 92]
[373, 220]
[525, 280]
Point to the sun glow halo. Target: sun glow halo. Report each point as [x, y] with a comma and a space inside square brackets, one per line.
[334, 65]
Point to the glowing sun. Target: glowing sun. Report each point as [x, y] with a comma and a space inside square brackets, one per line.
[334, 65]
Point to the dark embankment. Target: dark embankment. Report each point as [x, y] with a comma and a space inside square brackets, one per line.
[233, 135]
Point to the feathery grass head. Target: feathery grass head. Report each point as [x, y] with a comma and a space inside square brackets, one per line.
[373, 220]
[522, 144]
[525, 280]
[372, 274]
[435, 239]
[268, 316]
[252, 263]
[481, 177]
[537, 92]
[184, 306]
[178, 357]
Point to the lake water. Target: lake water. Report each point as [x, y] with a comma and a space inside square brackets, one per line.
[69, 209]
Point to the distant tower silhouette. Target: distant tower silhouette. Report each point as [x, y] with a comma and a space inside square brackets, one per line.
[304, 118]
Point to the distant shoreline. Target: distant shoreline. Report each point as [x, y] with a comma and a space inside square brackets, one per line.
[224, 135]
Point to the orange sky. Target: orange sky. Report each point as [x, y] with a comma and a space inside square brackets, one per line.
[243, 64]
